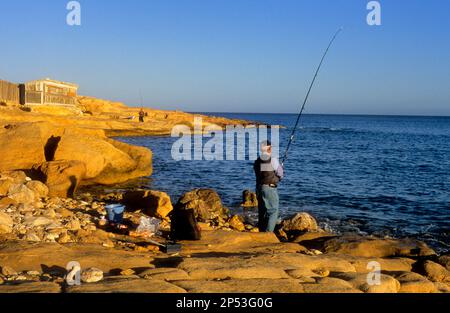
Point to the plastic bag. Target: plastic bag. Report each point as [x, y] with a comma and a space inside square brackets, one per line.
[149, 225]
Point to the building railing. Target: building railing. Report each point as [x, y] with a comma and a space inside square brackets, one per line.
[33, 97]
[58, 99]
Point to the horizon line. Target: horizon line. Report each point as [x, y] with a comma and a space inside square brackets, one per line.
[337, 114]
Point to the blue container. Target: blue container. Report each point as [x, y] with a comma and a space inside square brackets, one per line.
[115, 213]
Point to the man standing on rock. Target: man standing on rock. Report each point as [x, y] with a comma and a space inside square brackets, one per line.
[269, 172]
[141, 116]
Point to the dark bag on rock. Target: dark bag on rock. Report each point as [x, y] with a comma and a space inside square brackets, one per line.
[184, 225]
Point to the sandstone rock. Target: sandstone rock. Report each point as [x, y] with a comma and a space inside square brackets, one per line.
[206, 204]
[22, 146]
[6, 223]
[445, 261]
[39, 189]
[167, 274]
[250, 200]
[91, 275]
[61, 177]
[32, 237]
[17, 177]
[387, 283]
[442, 287]
[8, 271]
[413, 283]
[31, 287]
[107, 161]
[330, 285]
[5, 184]
[372, 247]
[127, 285]
[36, 221]
[242, 286]
[433, 271]
[127, 272]
[22, 194]
[299, 223]
[7, 202]
[237, 223]
[153, 203]
[387, 264]
[73, 225]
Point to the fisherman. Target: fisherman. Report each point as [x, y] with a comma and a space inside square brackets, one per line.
[141, 116]
[269, 172]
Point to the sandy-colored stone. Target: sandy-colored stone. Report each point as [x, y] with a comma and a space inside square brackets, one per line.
[153, 203]
[299, 223]
[25, 256]
[413, 283]
[167, 274]
[30, 287]
[433, 271]
[330, 285]
[61, 177]
[206, 204]
[237, 223]
[6, 223]
[127, 285]
[91, 275]
[364, 283]
[250, 199]
[372, 247]
[39, 189]
[242, 286]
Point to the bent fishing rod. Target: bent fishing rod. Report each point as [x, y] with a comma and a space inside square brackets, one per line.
[307, 96]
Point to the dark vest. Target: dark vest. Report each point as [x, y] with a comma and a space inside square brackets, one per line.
[266, 177]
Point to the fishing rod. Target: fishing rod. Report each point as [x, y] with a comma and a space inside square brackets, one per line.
[307, 96]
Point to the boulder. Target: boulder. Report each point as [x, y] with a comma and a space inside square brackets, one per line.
[91, 275]
[6, 223]
[355, 245]
[6, 202]
[237, 223]
[17, 177]
[153, 203]
[413, 283]
[298, 224]
[39, 188]
[125, 284]
[5, 184]
[22, 146]
[8, 271]
[206, 204]
[433, 271]
[387, 284]
[61, 177]
[22, 194]
[107, 161]
[250, 200]
[445, 261]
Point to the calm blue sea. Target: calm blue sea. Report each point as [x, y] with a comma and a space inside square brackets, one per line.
[381, 175]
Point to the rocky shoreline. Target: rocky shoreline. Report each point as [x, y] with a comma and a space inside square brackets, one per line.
[46, 222]
[40, 235]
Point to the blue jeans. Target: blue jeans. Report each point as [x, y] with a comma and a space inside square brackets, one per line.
[268, 208]
[115, 213]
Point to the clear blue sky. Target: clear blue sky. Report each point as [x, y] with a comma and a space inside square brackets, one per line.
[237, 55]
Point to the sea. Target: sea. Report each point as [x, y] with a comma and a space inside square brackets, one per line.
[387, 176]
